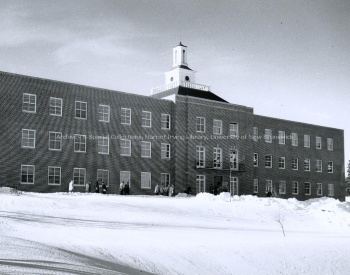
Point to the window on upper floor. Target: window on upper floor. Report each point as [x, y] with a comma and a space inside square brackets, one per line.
[255, 133]
[307, 141]
[330, 167]
[200, 124]
[281, 137]
[165, 121]
[282, 162]
[255, 160]
[103, 113]
[28, 138]
[165, 150]
[217, 158]
[268, 161]
[103, 145]
[234, 130]
[126, 116]
[268, 135]
[80, 143]
[146, 119]
[146, 149]
[318, 165]
[200, 156]
[55, 106]
[80, 109]
[217, 127]
[295, 164]
[329, 144]
[55, 141]
[125, 147]
[294, 139]
[29, 103]
[318, 143]
[306, 164]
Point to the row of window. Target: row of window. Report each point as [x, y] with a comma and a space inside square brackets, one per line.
[55, 144]
[79, 176]
[282, 188]
[56, 104]
[294, 139]
[294, 163]
[217, 127]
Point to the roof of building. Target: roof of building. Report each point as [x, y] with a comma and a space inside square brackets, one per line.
[181, 45]
[200, 94]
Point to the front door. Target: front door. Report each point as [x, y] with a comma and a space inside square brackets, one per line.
[217, 184]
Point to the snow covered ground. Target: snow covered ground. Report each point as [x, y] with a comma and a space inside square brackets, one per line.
[110, 234]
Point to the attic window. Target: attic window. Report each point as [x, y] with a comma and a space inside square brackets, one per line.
[187, 78]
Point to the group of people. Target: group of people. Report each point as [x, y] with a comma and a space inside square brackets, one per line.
[164, 190]
[124, 188]
[216, 190]
[88, 186]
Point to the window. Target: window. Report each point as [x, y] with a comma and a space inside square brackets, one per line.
[28, 138]
[282, 187]
[306, 164]
[318, 165]
[268, 135]
[103, 113]
[165, 121]
[200, 124]
[307, 188]
[55, 141]
[145, 149]
[234, 165]
[55, 106]
[256, 160]
[256, 186]
[145, 180]
[319, 189]
[255, 133]
[268, 186]
[165, 151]
[125, 177]
[54, 175]
[329, 144]
[234, 130]
[125, 116]
[27, 174]
[217, 158]
[165, 179]
[307, 141]
[330, 189]
[295, 164]
[80, 109]
[79, 176]
[200, 183]
[103, 176]
[29, 103]
[200, 156]
[146, 119]
[103, 145]
[282, 162]
[234, 185]
[294, 139]
[217, 127]
[79, 143]
[125, 147]
[268, 161]
[318, 143]
[330, 167]
[281, 137]
[295, 188]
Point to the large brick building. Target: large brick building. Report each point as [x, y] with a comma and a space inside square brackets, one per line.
[183, 134]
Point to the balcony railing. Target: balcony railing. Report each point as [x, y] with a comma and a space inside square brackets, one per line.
[183, 84]
[219, 166]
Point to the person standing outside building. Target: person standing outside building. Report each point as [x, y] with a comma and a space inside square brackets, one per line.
[71, 186]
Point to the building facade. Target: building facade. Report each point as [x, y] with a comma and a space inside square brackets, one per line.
[183, 134]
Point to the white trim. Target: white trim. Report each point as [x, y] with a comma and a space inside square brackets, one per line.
[309, 193]
[103, 145]
[163, 115]
[146, 120]
[146, 176]
[201, 123]
[125, 116]
[76, 151]
[60, 134]
[282, 137]
[80, 169]
[125, 147]
[60, 107]
[217, 127]
[103, 113]
[167, 150]
[144, 143]
[297, 187]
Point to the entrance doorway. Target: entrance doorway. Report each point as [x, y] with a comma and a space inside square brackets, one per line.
[217, 184]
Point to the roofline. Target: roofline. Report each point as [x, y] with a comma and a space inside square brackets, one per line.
[76, 84]
[305, 123]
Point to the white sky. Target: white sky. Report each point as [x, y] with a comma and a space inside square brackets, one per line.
[286, 59]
